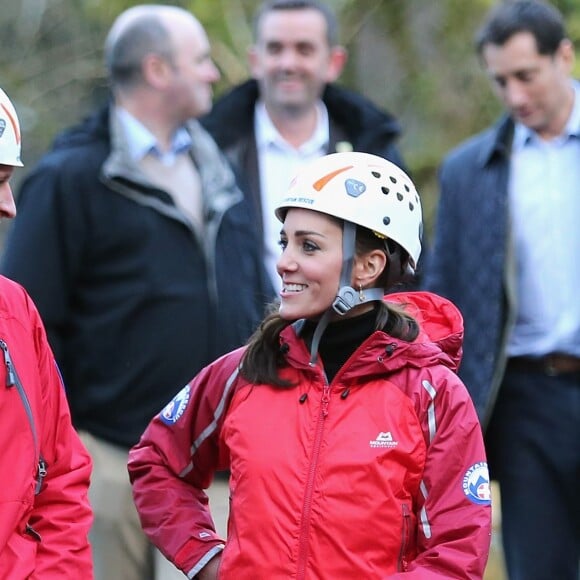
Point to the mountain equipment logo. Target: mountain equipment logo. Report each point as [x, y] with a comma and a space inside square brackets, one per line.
[476, 484]
[384, 439]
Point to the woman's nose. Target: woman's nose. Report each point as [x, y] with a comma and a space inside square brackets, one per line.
[286, 262]
[7, 205]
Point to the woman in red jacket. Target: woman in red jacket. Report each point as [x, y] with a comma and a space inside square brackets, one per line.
[354, 450]
[44, 509]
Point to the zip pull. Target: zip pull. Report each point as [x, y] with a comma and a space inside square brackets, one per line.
[41, 474]
[325, 400]
[10, 375]
[32, 532]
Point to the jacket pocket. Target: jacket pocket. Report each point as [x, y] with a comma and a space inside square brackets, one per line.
[406, 526]
[19, 556]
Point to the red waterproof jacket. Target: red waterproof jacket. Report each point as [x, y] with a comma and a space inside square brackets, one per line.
[380, 473]
[44, 510]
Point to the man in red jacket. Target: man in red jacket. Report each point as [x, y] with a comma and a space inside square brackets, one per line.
[45, 514]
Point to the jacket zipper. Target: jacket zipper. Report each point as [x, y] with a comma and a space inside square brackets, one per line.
[12, 380]
[211, 227]
[307, 505]
[209, 250]
[403, 564]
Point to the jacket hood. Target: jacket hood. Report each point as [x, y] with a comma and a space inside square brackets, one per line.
[439, 320]
[439, 341]
[358, 115]
[93, 128]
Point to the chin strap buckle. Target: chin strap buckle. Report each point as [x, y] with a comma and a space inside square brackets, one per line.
[346, 298]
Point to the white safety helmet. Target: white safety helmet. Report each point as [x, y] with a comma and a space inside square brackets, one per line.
[364, 189]
[9, 133]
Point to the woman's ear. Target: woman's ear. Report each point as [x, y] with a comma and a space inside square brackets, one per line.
[368, 268]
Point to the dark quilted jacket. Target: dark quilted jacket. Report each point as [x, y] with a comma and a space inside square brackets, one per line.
[469, 255]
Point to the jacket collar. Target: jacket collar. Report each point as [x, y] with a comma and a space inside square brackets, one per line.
[439, 342]
[219, 186]
[499, 141]
[232, 116]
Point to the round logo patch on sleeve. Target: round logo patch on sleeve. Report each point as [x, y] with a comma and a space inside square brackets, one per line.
[176, 407]
[476, 484]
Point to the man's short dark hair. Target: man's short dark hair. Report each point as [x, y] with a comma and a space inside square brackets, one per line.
[539, 18]
[125, 53]
[324, 9]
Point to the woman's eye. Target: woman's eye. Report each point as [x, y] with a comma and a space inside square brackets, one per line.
[283, 244]
[309, 247]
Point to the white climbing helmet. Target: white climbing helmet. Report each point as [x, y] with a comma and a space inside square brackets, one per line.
[9, 133]
[364, 189]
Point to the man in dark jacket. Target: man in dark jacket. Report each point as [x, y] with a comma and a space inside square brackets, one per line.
[141, 253]
[506, 252]
[291, 112]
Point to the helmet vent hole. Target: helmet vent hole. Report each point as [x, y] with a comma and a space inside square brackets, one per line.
[411, 206]
[386, 220]
[407, 188]
[376, 174]
[385, 190]
[393, 179]
[399, 196]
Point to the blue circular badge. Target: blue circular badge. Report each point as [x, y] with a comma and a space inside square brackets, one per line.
[176, 407]
[476, 484]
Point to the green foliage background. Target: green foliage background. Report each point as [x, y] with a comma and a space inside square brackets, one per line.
[412, 57]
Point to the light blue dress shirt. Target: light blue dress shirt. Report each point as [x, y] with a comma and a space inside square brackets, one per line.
[544, 197]
[141, 142]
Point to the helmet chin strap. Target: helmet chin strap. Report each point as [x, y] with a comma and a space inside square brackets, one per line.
[347, 297]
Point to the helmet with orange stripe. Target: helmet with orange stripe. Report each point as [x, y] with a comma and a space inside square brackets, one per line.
[9, 133]
[367, 191]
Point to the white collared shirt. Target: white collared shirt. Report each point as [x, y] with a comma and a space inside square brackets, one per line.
[278, 162]
[544, 197]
